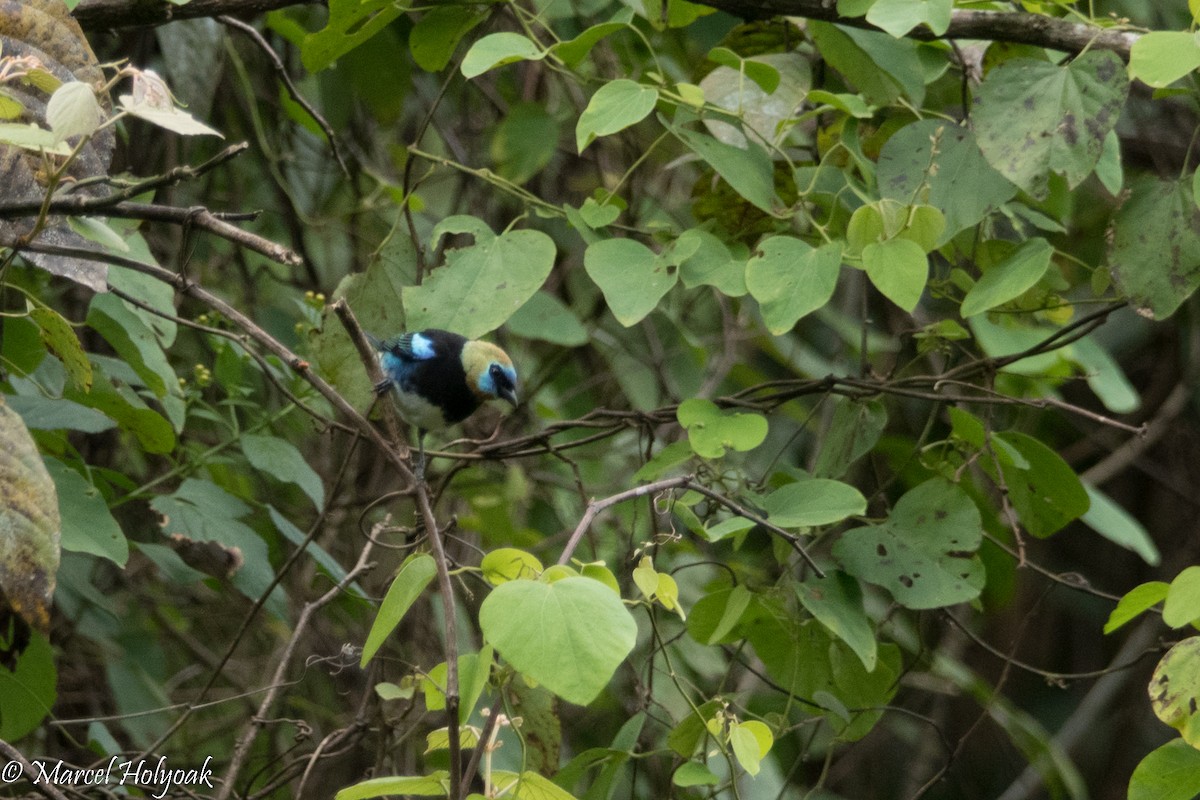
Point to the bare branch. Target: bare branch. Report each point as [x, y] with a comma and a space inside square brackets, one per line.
[94, 15]
[996, 26]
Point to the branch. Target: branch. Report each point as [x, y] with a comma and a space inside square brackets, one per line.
[97, 15]
[996, 26]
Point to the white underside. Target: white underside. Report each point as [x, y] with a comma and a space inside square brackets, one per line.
[418, 411]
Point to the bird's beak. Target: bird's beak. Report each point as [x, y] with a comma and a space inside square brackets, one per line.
[510, 395]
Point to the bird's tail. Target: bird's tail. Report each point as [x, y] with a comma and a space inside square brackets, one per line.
[376, 343]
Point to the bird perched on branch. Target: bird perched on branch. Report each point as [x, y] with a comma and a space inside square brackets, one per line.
[439, 378]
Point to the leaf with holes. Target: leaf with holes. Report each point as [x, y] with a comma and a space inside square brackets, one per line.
[924, 553]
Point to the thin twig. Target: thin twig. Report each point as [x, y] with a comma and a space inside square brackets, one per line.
[281, 71]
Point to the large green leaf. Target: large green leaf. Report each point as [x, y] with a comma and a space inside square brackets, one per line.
[87, 524]
[1159, 58]
[436, 35]
[817, 501]
[924, 552]
[1010, 278]
[748, 170]
[1034, 117]
[414, 576]
[711, 431]
[836, 601]
[898, 17]
[899, 269]
[855, 428]
[280, 459]
[1044, 490]
[570, 636]
[1172, 772]
[480, 286]
[791, 279]
[498, 49]
[27, 693]
[1154, 250]
[632, 276]
[614, 107]
[350, 23]
[957, 178]
[882, 67]
[436, 784]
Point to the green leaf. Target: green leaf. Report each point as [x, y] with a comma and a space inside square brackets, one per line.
[1159, 58]
[483, 285]
[1114, 523]
[546, 317]
[836, 601]
[763, 74]
[898, 17]
[28, 692]
[570, 636]
[498, 49]
[1183, 599]
[957, 178]
[882, 67]
[47, 414]
[855, 428]
[87, 524]
[117, 401]
[751, 741]
[1009, 279]
[790, 279]
[60, 338]
[29, 524]
[280, 458]
[351, 22]
[924, 552]
[134, 341]
[510, 564]
[1063, 114]
[690, 731]
[715, 615]
[433, 40]
[614, 107]
[1154, 249]
[817, 501]
[711, 432]
[574, 51]
[693, 773]
[710, 263]
[376, 296]
[899, 270]
[747, 170]
[318, 553]
[1047, 494]
[528, 785]
[631, 276]
[1105, 376]
[1172, 772]
[1175, 687]
[525, 141]
[474, 669]
[414, 576]
[436, 784]
[1135, 602]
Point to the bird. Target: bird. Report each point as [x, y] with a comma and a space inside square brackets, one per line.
[439, 378]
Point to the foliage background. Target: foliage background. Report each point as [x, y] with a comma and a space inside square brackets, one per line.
[393, 147]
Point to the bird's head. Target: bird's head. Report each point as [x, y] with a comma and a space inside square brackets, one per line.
[489, 371]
